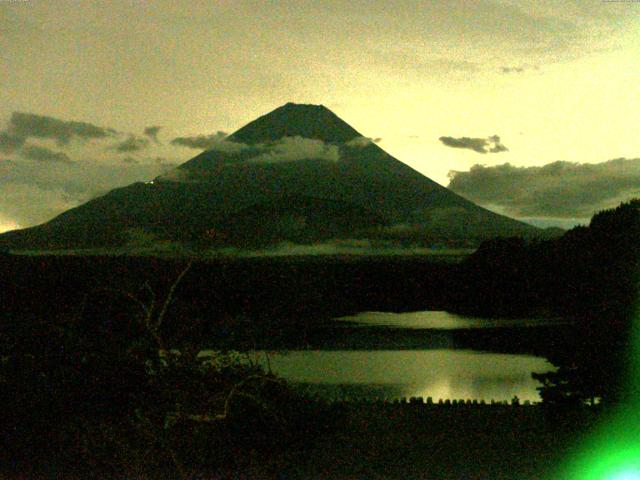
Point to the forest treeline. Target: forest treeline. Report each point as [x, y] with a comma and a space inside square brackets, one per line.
[589, 276]
[590, 272]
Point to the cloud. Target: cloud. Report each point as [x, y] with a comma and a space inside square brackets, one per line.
[152, 132]
[131, 144]
[411, 62]
[284, 150]
[359, 142]
[177, 175]
[518, 69]
[511, 69]
[43, 154]
[164, 162]
[559, 189]
[496, 146]
[216, 141]
[481, 145]
[26, 125]
[291, 149]
[30, 194]
[201, 142]
[475, 144]
[9, 143]
[22, 205]
[50, 182]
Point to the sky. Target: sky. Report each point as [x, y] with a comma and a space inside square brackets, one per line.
[528, 108]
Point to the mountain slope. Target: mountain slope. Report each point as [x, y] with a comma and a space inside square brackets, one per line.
[299, 173]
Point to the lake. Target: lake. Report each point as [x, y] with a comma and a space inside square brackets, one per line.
[439, 320]
[440, 373]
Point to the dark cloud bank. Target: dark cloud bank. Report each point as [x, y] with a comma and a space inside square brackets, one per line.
[26, 125]
[23, 126]
[559, 189]
[481, 145]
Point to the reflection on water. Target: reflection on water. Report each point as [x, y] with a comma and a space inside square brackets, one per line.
[438, 371]
[440, 320]
[446, 374]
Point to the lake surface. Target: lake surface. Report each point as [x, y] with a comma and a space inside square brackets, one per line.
[446, 374]
[439, 320]
[440, 373]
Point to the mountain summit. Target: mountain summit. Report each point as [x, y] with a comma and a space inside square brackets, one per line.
[296, 120]
[298, 174]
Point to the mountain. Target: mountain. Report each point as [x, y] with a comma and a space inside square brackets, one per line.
[297, 174]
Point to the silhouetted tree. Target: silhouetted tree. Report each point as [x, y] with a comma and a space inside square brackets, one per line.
[600, 267]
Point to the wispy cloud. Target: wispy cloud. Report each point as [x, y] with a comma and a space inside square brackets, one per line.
[152, 132]
[43, 154]
[360, 142]
[131, 144]
[518, 69]
[38, 181]
[9, 143]
[291, 149]
[216, 141]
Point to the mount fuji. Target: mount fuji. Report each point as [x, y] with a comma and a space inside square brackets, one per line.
[297, 174]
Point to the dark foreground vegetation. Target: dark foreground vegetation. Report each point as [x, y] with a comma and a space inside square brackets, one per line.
[99, 373]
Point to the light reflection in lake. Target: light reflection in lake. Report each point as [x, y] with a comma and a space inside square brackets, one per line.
[446, 374]
[404, 371]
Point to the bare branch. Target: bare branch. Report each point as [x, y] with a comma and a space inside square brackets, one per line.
[169, 298]
[152, 305]
[128, 295]
[235, 392]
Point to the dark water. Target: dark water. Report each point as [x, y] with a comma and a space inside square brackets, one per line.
[446, 373]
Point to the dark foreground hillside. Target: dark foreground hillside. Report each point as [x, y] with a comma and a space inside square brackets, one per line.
[90, 388]
[343, 441]
[100, 374]
[414, 441]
